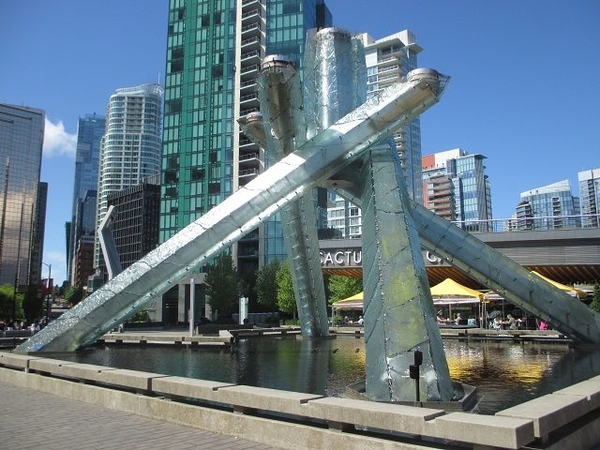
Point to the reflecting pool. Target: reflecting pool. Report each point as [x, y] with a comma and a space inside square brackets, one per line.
[505, 372]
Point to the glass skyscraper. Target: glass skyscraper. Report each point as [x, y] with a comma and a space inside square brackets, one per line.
[456, 187]
[22, 196]
[388, 60]
[214, 53]
[589, 192]
[130, 150]
[83, 216]
[548, 207]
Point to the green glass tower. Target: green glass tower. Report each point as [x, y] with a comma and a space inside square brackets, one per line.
[214, 53]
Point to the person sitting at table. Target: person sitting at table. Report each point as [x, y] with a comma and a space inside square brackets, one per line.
[497, 323]
[511, 323]
[441, 319]
[458, 320]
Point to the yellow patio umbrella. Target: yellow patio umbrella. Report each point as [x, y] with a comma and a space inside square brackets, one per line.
[563, 287]
[354, 302]
[450, 291]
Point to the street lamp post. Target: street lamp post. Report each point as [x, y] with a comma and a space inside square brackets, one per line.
[48, 296]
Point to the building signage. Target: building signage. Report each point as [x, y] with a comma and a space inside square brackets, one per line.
[341, 258]
[338, 258]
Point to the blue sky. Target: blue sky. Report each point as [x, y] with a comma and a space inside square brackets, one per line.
[523, 91]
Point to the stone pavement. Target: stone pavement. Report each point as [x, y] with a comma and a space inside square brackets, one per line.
[32, 419]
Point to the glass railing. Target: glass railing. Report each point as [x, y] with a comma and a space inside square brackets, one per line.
[520, 224]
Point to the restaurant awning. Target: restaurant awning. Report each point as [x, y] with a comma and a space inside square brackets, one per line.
[352, 303]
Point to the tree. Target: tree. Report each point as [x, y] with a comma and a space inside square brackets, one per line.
[341, 287]
[595, 305]
[73, 295]
[266, 284]
[222, 285]
[286, 300]
[63, 288]
[10, 307]
[140, 316]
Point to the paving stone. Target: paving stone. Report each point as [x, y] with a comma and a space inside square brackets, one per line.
[32, 419]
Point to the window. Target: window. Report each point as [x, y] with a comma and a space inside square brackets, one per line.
[173, 106]
[217, 71]
[177, 53]
[291, 6]
[197, 174]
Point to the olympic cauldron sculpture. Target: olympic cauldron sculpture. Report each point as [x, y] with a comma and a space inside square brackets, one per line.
[332, 137]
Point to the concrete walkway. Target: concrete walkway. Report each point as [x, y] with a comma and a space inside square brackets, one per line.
[31, 419]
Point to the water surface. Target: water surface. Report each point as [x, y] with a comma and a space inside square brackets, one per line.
[505, 373]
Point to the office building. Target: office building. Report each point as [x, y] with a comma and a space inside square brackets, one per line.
[131, 147]
[589, 194]
[388, 60]
[214, 54]
[548, 207]
[135, 223]
[82, 233]
[456, 187]
[22, 196]
[90, 130]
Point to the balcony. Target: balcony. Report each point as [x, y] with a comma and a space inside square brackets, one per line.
[246, 111]
[251, 57]
[248, 3]
[252, 69]
[244, 140]
[248, 157]
[248, 85]
[393, 68]
[248, 172]
[251, 30]
[391, 52]
[388, 60]
[252, 13]
[250, 43]
[249, 100]
[388, 78]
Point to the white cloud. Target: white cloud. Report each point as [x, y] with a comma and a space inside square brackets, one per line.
[57, 141]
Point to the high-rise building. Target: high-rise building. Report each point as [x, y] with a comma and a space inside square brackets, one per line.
[589, 193]
[456, 187]
[83, 252]
[131, 147]
[22, 196]
[83, 215]
[548, 207]
[214, 53]
[135, 222]
[388, 60]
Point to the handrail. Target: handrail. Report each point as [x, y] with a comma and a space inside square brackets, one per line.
[532, 223]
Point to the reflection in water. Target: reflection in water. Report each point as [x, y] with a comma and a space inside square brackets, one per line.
[505, 373]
